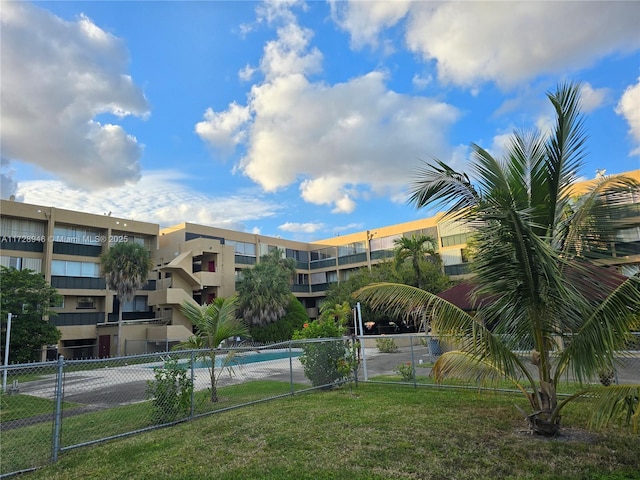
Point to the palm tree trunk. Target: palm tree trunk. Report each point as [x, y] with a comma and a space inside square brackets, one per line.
[119, 330]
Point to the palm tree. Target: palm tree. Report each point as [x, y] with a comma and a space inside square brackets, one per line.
[416, 248]
[126, 267]
[265, 289]
[338, 313]
[534, 241]
[215, 322]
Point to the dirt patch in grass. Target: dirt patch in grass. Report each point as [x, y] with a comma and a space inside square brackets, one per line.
[567, 435]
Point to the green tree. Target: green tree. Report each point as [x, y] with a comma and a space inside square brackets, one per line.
[26, 295]
[338, 313]
[340, 292]
[533, 243]
[282, 330]
[265, 289]
[214, 322]
[126, 267]
[323, 361]
[416, 248]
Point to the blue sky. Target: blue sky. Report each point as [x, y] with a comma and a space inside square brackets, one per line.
[303, 120]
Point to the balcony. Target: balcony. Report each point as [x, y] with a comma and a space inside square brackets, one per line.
[168, 296]
[209, 279]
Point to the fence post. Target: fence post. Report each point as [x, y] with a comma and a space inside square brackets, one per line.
[364, 356]
[354, 356]
[413, 363]
[291, 369]
[193, 387]
[58, 413]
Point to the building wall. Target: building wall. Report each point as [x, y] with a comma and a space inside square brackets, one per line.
[198, 263]
[65, 246]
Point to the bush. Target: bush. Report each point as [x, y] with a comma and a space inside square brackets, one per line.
[405, 370]
[386, 345]
[283, 329]
[324, 362]
[170, 392]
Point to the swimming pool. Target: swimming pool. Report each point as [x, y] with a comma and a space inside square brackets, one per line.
[244, 358]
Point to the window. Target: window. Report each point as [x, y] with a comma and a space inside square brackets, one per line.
[11, 262]
[298, 255]
[458, 239]
[383, 243]
[64, 268]
[86, 302]
[318, 278]
[351, 249]
[13, 227]
[18, 263]
[59, 303]
[323, 254]
[243, 248]
[75, 234]
[138, 304]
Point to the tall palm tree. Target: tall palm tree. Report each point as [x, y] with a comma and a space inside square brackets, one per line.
[126, 267]
[534, 242]
[265, 289]
[215, 322]
[416, 248]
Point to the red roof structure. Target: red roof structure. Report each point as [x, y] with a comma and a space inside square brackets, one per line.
[595, 283]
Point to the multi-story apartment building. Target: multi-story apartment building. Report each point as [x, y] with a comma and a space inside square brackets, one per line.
[65, 246]
[198, 263]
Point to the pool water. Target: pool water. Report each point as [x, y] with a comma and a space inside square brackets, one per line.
[251, 357]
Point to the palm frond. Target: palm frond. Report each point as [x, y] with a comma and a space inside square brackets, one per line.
[467, 332]
[613, 403]
[605, 330]
[593, 221]
[565, 146]
[462, 365]
[440, 185]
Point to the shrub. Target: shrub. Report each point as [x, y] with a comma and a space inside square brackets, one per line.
[386, 345]
[324, 362]
[170, 392]
[405, 370]
[282, 330]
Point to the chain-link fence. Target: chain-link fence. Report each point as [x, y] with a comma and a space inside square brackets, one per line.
[409, 358]
[49, 408]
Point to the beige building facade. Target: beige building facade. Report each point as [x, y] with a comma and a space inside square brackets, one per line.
[198, 263]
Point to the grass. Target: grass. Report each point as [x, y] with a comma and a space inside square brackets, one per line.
[15, 407]
[31, 445]
[371, 432]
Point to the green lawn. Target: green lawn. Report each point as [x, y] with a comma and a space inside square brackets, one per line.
[368, 432]
[15, 407]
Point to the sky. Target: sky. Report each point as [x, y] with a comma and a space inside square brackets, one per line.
[300, 120]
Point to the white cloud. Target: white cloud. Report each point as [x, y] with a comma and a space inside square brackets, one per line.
[246, 73]
[509, 43]
[474, 42]
[159, 197]
[629, 108]
[592, 99]
[301, 227]
[224, 130]
[421, 82]
[288, 56]
[366, 20]
[273, 11]
[337, 141]
[57, 76]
